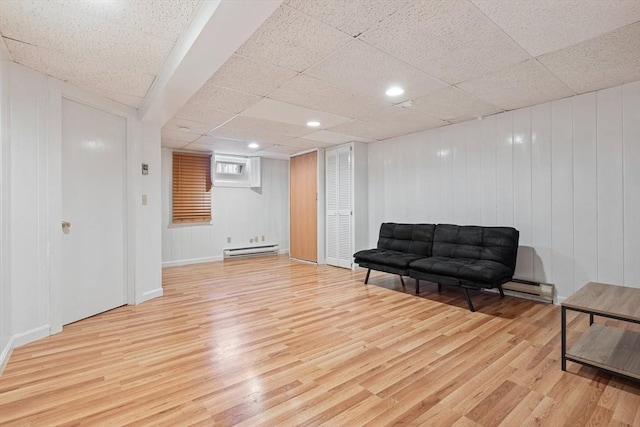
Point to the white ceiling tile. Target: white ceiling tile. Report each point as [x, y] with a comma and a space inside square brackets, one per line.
[270, 109]
[312, 93]
[453, 105]
[203, 114]
[605, 61]
[225, 146]
[305, 144]
[167, 143]
[222, 99]
[261, 137]
[365, 69]
[130, 100]
[197, 128]
[267, 126]
[283, 149]
[161, 18]
[56, 27]
[247, 75]
[351, 16]
[542, 26]
[89, 73]
[292, 40]
[388, 123]
[176, 135]
[199, 147]
[449, 39]
[334, 137]
[524, 84]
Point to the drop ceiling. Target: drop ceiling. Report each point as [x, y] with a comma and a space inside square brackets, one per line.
[332, 61]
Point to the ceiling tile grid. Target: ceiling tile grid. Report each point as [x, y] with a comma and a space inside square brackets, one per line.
[449, 39]
[521, 85]
[333, 60]
[293, 40]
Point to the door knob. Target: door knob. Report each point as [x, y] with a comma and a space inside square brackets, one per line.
[66, 225]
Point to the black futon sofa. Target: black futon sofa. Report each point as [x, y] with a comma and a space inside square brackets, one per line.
[470, 257]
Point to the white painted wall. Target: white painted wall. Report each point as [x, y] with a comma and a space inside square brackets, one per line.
[5, 213]
[31, 209]
[239, 213]
[566, 174]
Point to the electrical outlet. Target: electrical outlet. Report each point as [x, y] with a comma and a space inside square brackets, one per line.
[263, 238]
[256, 239]
[228, 239]
[250, 240]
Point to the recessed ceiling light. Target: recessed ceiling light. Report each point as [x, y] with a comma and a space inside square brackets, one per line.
[184, 129]
[313, 124]
[254, 145]
[394, 91]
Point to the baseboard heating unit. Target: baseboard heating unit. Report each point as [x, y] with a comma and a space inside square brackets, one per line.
[251, 251]
[527, 289]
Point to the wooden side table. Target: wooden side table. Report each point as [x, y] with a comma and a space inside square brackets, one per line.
[614, 350]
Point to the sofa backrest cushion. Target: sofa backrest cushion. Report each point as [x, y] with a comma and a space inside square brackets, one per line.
[498, 244]
[409, 238]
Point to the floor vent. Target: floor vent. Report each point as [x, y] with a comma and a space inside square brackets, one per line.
[527, 289]
[251, 251]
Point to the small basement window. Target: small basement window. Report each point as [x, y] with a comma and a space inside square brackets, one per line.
[191, 195]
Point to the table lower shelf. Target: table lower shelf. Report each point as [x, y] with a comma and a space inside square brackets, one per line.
[607, 347]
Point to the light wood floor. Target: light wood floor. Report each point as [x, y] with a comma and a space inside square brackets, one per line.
[267, 341]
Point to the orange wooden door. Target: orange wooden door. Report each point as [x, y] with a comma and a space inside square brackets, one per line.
[303, 185]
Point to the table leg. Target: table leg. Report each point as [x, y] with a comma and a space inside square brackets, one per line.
[590, 319]
[563, 333]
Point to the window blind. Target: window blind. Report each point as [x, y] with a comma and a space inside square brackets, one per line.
[191, 195]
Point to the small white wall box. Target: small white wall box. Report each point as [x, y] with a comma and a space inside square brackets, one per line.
[236, 171]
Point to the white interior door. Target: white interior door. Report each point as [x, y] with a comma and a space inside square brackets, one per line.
[93, 203]
[339, 207]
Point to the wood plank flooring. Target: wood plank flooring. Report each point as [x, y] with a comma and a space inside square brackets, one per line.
[271, 342]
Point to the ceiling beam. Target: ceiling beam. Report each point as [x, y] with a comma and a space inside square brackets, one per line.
[218, 29]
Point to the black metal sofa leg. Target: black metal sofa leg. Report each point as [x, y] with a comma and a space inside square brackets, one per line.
[417, 286]
[366, 279]
[501, 291]
[466, 294]
[401, 280]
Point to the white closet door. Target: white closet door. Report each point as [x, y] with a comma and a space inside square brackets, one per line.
[339, 207]
[332, 206]
[344, 207]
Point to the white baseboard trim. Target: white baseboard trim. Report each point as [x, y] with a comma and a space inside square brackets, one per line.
[31, 335]
[155, 293]
[21, 339]
[191, 261]
[5, 355]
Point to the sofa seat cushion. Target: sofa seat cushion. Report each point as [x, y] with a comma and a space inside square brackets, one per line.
[473, 270]
[386, 257]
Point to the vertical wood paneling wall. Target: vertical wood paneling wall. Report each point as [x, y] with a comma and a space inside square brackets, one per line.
[239, 213]
[566, 174]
